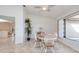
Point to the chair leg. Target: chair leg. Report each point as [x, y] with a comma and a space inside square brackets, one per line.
[54, 49]
[45, 49]
[34, 44]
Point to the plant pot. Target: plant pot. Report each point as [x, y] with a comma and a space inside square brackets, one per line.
[28, 39]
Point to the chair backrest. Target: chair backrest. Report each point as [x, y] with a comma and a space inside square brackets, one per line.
[39, 35]
[50, 38]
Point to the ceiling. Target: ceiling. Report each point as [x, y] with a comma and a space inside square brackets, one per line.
[55, 11]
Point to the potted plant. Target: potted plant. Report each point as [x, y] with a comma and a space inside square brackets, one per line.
[28, 28]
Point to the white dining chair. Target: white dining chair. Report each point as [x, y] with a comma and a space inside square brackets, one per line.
[49, 42]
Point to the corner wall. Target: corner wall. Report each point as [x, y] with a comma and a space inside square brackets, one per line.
[17, 12]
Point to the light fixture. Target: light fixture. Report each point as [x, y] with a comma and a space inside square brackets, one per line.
[44, 8]
[2, 20]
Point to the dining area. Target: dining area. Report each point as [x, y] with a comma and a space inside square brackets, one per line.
[45, 41]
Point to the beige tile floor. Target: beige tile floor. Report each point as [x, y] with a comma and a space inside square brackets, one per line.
[6, 46]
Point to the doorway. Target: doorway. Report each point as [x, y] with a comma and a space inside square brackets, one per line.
[7, 30]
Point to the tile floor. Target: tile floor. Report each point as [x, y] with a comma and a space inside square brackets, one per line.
[6, 46]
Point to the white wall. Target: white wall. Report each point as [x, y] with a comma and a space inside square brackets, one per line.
[48, 24]
[17, 12]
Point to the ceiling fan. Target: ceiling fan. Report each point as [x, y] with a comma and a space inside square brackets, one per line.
[44, 7]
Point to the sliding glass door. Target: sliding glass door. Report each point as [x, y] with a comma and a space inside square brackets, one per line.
[72, 29]
[69, 28]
